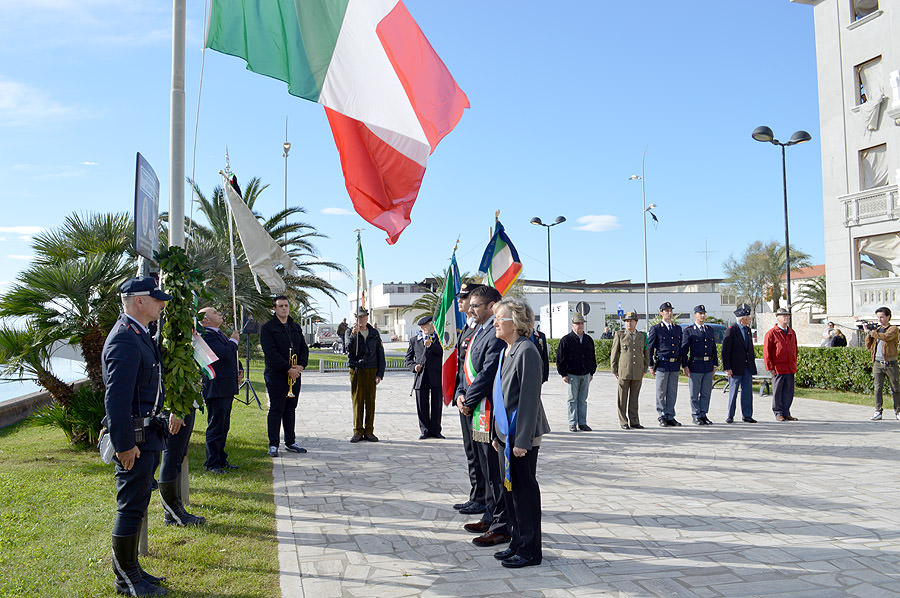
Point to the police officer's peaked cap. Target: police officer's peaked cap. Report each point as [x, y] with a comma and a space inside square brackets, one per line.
[742, 310]
[665, 305]
[425, 320]
[578, 318]
[143, 286]
[631, 315]
[700, 309]
[467, 288]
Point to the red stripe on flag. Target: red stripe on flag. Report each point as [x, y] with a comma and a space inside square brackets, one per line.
[436, 98]
[383, 183]
[448, 377]
[505, 281]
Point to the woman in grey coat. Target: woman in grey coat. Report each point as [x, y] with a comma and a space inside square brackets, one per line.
[519, 423]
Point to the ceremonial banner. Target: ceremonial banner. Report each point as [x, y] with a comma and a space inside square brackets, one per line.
[203, 355]
[388, 96]
[448, 323]
[361, 283]
[500, 265]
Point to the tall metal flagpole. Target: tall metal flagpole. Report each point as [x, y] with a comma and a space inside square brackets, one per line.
[231, 241]
[358, 242]
[176, 128]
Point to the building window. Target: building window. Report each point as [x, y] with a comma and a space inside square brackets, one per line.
[873, 169]
[868, 81]
[878, 256]
[401, 290]
[728, 299]
[863, 8]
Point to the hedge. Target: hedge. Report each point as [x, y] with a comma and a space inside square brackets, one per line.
[847, 369]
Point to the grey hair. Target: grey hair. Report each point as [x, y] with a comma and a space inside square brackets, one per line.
[521, 313]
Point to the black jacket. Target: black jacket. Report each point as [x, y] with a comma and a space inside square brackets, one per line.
[540, 341]
[368, 353]
[225, 384]
[574, 358]
[736, 355]
[431, 358]
[278, 341]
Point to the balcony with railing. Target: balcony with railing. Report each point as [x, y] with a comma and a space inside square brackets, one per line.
[872, 293]
[872, 205]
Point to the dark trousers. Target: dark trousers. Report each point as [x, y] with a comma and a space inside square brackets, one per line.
[495, 513]
[362, 393]
[282, 409]
[742, 385]
[892, 373]
[476, 477]
[429, 403]
[523, 504]
[782, 393]
[133, 489]
[176, 449]
[218, 422]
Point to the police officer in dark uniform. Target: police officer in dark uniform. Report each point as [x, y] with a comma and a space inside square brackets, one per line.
[425, 358]
[665, 364]
[540, 341]
[699, 359]
[132, 373]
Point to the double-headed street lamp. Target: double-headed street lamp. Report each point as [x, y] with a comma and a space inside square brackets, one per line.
[644, 211]
[538, 222]
[765, 134]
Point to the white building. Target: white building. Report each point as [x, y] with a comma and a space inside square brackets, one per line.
[858, 57]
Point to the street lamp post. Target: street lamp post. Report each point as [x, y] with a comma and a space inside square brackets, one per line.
[764, 134]
[287, 147]
[645, 209]
[538, 222]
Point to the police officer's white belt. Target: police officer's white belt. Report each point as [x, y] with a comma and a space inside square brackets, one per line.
[672, 359]
[704, 358]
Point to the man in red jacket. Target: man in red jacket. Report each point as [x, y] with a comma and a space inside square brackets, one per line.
[780, 355]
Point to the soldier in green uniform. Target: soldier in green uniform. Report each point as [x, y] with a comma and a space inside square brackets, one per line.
[628, 360]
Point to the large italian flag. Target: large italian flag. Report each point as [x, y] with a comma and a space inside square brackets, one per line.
[388, 96]
[500, 265]
[448, 323]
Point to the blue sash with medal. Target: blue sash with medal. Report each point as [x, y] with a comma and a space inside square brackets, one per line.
[505, 425]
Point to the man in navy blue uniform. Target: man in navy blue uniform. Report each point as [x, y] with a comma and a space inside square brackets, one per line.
[739, 362]
[286, 356]
[218, 393]
[425, 358]
[132, 373]
[699, 359]
[665, 364]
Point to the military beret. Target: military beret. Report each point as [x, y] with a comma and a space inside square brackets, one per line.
[425, 320]
[742, 310]
[700, 309]
[143, 286]
[578, 318]
[631, 315]
[665, 305]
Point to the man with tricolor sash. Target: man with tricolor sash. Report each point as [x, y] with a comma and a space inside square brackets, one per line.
[474, 396]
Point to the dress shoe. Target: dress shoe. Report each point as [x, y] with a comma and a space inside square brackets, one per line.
[697, 421]
[273, 451]
[585, 428]
[356, 438]
[477, 528]
[729, 420]
[216, 470]
[491, 539]
[780, 418]
[517, 562]
[748, 420]
[674, 422]
[573, 428]
[371, 438]
[790, 418]
[625, 427]
[438, 435]
[230, 465]
[462, 505]
[423, 436]
[473, 509]
[504, 554]
[664, 423]
[295, 448]
[637, 427]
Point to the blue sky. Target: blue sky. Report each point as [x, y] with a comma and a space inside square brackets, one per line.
[565, 99]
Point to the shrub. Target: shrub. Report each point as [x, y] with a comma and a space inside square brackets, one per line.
[80, 421]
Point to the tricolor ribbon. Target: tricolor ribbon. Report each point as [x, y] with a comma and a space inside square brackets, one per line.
[505, 425]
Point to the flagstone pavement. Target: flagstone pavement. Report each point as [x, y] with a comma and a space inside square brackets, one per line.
[804, 508]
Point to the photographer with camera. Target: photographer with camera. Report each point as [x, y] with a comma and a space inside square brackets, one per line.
[882, 340]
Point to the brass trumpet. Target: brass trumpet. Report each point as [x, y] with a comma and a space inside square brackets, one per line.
[290, 393]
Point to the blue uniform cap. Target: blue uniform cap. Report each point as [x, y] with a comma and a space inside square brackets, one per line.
[665, 305]
[700, 309]
[425, 320]
[143, 286]
[743, 310]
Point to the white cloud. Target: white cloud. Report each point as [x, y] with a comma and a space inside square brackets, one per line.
[598, 223]
[336, 211]
[89, 163]
[21, 104]
[15, 256]
[22, 230]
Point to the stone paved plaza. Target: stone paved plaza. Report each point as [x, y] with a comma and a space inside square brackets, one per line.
[806, 508]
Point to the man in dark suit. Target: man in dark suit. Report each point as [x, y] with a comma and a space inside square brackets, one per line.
[665, 364]
[540, 341]
[477, 498]
[218, 393]
[286, 356]
[425, 358]
[739, 363]
[475, 397]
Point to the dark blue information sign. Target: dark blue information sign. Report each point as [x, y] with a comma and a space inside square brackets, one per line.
[146, 209]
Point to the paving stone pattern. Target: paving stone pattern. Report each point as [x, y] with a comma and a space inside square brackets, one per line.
[804, 508]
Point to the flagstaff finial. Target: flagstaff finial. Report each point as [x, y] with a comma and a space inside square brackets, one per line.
[227, 163]
[455, 245]
[497, 215]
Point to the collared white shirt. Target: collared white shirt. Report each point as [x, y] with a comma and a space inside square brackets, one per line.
[144, 328]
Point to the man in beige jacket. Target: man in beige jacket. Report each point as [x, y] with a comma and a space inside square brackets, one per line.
[628, 360]
[882, 341]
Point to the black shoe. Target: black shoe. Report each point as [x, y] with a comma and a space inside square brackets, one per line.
[423, 436]
[730, 420]
[625, 427]
[504, 554]
[295, 448]
[749, 420]
[473, 509]
[665, 423]
[462, 505]
[371, 438]
[216, 470]
[356, 438]
[573, 428]
[230, 465]
[697, 421]
[637, 427]
[585, 428]
[516, 562]
[706, 421]
[674, 422]
[438, 435]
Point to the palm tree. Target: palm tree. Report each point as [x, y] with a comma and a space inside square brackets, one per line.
[25, 355]
[428, 303]
[812, 294]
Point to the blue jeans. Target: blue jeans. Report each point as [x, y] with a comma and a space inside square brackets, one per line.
[578, 392]
[740, 384]
[666, 393]
[701, 389]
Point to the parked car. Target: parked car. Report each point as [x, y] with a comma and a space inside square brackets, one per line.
[718, 331]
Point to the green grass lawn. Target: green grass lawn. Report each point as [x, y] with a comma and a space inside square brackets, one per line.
[57, 506]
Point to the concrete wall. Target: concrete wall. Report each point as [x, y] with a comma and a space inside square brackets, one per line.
[15, 410]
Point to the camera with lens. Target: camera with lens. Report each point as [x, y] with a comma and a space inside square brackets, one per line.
[866, 325]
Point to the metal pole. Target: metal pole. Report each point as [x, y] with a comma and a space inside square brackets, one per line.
[787, 241]
[549, 290]
[287, 147]
[644, 220]
[176, 128]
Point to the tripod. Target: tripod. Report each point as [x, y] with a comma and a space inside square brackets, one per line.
[250, 327]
